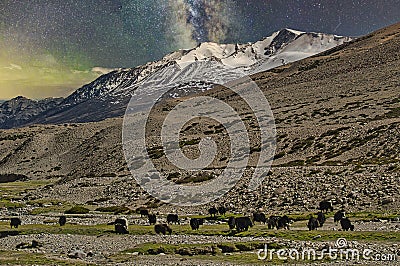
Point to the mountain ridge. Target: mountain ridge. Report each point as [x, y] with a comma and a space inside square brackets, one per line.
[111, 92]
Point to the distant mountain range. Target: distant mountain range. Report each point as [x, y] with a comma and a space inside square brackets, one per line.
[108, 95]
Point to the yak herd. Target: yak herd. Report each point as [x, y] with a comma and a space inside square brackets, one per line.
[235, 223]
[243, 223]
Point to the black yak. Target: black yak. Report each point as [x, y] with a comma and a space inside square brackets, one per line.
[162, 229]
[243, 223]
[346, 224]
[312, 224]
[173, 218]
[15, 222]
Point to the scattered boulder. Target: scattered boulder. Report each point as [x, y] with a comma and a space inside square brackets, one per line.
[77, 254]
[34, 244]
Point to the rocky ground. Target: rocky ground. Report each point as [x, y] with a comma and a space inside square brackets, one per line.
[102, 249]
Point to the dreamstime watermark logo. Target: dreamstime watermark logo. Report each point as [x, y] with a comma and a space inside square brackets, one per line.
[341, 251]
[248, 122]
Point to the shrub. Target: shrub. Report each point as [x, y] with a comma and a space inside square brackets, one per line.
[227, 248]
[114, 209]
[77, 210]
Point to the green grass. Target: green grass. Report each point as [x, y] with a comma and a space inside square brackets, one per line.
[51, 209]
[210, 230]
[5, 203]
[15, 188]
[30, 229]
[368, 216]
[24, 258]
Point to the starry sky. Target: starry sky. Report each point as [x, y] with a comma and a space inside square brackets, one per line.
[51, 47]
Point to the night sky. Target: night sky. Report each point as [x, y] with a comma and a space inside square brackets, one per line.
[48, 47]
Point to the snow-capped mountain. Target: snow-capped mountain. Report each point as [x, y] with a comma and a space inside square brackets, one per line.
[281, 47]
[108, 95]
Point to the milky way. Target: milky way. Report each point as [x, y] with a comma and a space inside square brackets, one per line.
[197, 21]
[115, 33]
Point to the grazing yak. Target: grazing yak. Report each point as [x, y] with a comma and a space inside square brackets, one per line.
[213, 212]
[222, 210]
[15, 222]
[120, 225]
[259, 217]
[152, 219]
[346, 224]
[143, 212]
[62, 220]
[273, 222]
[231, 223]
[312, 224]
[120, 229]
[283, 222]
[339, 215]
[196, 222]
[321, 219]
[326, 205]
[173, 218]
[243, 223]
[162, 229]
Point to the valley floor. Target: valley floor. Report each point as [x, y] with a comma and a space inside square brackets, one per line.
[213, 244]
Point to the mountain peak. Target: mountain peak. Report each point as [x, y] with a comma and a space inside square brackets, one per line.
[20, 98]
[112, 91]
[297, 32]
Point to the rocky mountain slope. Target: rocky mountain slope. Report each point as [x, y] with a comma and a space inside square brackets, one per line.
[338, 125]
[108, 95]
[21, 110]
